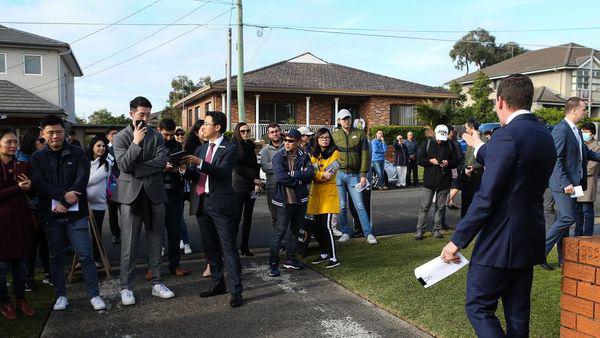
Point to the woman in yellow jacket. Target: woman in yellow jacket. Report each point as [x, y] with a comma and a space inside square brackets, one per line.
[323, 201]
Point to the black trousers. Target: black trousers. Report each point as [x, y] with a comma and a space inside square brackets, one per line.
[173, 215]
[244, 207]
[323, 231]
[113, 218]
[39, 242]
[99, 218]
[413, 169]
[220, 247]
[366, 195]
[469, 188]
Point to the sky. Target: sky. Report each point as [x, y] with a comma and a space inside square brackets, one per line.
[203, 50]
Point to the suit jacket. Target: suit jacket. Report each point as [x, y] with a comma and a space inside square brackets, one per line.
[507, 211]
[140, 165]
[219, 172]
[569, 168]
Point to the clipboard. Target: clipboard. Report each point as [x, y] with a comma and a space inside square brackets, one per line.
[175, 158]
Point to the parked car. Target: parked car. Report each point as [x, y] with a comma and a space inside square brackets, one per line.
[390, 175]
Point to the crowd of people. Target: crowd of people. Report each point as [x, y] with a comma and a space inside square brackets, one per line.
[51, 185]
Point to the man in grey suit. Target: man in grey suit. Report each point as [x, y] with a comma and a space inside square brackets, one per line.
[141, 157]
[570, 171]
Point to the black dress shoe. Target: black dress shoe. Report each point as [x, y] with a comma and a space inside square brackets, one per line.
[214, 291]
[236, 300]
[246, 252]
[547, 266]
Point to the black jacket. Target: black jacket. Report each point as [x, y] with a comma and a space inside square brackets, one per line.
[246, 168]
[173, 180]
[400, 154]
[54, 179]
[435, 177]
[297, 179]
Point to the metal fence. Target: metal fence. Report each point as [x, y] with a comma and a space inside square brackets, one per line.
[260, 130]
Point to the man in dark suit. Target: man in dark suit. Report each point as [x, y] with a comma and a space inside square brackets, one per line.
[570, 171]
[507, 213]
[213, 163]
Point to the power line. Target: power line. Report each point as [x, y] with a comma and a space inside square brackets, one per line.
[144, 52]
[259, 47]
[99, 30]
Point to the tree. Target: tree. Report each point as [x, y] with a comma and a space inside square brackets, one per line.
[479, 47]
[432, 115]
[483, 107]
[456, 89]
[80, 120]
[103, 116]
[551, 115]
[172, 113]
[182, 86]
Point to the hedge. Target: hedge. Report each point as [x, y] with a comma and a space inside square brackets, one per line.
[391, 131]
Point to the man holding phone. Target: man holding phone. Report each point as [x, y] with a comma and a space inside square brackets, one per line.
[470, 179]
[141, 157]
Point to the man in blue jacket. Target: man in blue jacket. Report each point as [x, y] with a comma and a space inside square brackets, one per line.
[378, 149]
[507, 214]
[293, 173]
[569, 171]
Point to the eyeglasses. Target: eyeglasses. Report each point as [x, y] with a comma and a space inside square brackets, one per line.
[287, 140]
[180, 133]
[324, 138]
[245, 131]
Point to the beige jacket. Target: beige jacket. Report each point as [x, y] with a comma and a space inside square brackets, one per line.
[593, 169]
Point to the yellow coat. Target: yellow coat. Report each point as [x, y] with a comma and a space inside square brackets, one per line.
[323, 198]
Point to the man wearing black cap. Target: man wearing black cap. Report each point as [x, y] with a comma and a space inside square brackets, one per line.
[293, 172]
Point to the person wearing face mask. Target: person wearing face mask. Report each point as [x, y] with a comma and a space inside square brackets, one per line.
[584, 224]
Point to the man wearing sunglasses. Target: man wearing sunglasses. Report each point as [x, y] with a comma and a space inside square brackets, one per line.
[355, 160]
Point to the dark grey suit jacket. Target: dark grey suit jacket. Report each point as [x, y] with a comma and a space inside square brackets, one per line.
[140, 165]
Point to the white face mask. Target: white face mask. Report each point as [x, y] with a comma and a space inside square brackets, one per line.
[586, 136]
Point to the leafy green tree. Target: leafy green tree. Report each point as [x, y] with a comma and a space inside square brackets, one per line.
[456, 89]
[172, 113]
[551, 115]
[103, 116]
[80, 120]
[483, 107]
[432, 115]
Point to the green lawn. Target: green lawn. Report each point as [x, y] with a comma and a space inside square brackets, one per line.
[41, 302]
[384, 275]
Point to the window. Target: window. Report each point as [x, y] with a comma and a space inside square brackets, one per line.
[33, 64]
[197, 112]
[2, 63]
[280, 112]
[206, 107]
[190, 121]
[402, 115]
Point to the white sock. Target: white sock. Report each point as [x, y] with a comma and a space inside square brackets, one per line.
[323, 256]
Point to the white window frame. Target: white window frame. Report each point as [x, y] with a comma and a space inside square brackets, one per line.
[5, 63]
[41, 65]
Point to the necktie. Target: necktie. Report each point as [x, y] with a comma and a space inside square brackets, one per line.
[202, 180]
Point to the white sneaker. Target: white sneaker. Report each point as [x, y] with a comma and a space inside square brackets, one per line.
[336, 232]
[187, 250]
[127, 297]
[160, 290]
[371, 239]
[344, 238]
[61, 303]
[163, 252]
[98, 303]
[180, 245]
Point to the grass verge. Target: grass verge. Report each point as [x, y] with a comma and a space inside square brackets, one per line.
[384, 275]
[40, 301]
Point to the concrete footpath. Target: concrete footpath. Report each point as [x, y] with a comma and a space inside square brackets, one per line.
[298, 304]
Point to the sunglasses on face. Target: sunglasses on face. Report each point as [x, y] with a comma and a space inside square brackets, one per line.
[179, 134]
[287, 140]
[244, 131]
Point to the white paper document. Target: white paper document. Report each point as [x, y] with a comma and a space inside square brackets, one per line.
[578, 191]
[74, 207]
[357, 186]
[435, 270]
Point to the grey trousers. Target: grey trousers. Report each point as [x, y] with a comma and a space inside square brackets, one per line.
[426, 201]
[549, 211]
[131, 226]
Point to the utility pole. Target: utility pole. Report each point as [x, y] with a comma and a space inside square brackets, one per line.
[591, 82]
[228, 72]
[240, 75]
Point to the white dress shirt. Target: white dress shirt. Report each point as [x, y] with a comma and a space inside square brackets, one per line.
[217, 143]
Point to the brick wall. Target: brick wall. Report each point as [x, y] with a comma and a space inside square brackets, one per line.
[580, 299]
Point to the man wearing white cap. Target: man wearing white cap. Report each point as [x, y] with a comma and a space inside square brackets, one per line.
[305, 141]
[438, 159]
[355, 160]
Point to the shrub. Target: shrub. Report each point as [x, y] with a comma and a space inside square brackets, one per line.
[391, 131]
[551, 115]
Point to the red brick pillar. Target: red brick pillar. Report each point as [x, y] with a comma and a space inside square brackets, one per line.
[580, 299]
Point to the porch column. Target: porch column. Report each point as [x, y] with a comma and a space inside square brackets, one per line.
[257, 116]
[336, 103]
[223, 110]
[307, 111]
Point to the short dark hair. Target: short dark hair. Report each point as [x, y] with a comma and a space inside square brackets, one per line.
[72, 132]
[589, 126]
[517, 91]
[167, 124]
[139, 101]
[111, 129]
[219, 119]
[572, 103]
[473, 123]
[273, 125]
[51, 120]
[4, 131]
[31, 135]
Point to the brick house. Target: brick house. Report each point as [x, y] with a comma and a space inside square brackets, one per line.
[306, 90]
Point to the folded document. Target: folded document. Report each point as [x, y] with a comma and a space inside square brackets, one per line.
[435, 270]
[55, 203]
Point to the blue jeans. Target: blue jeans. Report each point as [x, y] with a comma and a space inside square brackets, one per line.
[584, 224]
[378, 168]
[566, 217]
[346, 184]
[78, 233]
